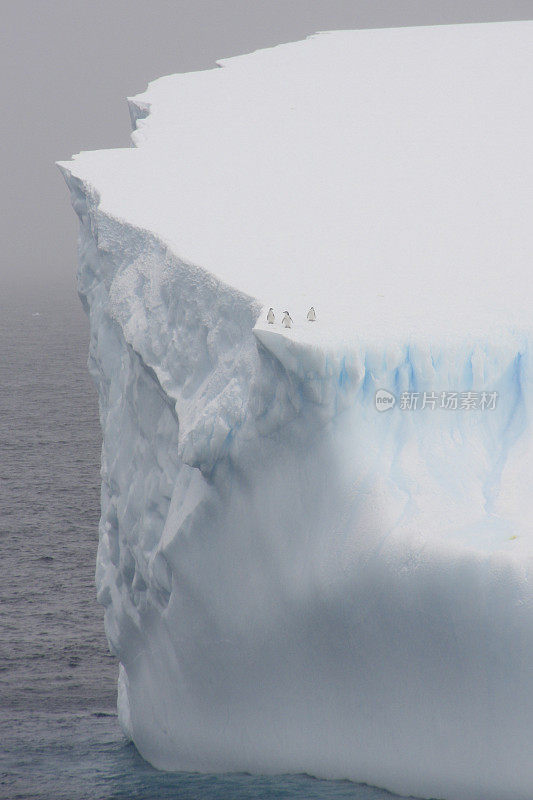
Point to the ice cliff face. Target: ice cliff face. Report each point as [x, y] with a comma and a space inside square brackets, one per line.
[293, 580]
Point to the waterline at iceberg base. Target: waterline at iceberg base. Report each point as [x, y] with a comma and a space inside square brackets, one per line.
[294, 581]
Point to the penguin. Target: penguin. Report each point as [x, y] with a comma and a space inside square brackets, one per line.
[286, 321]
[311, 314]
[270, 316]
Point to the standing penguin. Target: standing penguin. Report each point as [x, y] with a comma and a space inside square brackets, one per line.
[270, 316]
[311, 314]
[286, 321]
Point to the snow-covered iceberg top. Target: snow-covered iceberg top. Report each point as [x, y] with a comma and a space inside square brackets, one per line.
[383, 176]
[316, 541]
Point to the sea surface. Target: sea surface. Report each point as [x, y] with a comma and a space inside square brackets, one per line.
[59, 734]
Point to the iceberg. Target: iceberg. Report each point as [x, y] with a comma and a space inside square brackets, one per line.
[315, 548]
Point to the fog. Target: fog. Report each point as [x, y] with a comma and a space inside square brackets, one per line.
[67, 66]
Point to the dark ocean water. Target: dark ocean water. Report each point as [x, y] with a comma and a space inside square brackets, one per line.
[59, 735]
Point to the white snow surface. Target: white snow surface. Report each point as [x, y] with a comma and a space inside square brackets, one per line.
[293, 581]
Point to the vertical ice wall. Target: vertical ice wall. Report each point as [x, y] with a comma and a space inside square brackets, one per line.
[292, 580]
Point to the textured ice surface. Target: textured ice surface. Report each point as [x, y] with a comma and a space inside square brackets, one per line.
[292, 580]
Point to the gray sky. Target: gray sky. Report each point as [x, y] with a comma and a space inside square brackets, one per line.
[67, 65]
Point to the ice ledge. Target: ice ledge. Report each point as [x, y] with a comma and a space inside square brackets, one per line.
[191, 333]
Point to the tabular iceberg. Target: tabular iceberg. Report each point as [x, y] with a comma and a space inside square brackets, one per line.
[295, 579]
